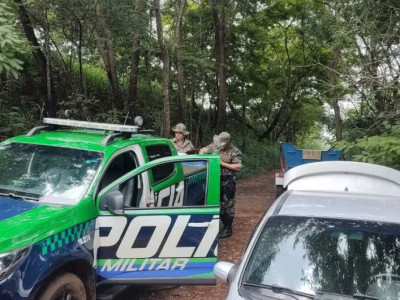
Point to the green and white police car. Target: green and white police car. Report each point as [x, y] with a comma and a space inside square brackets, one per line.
[84, 204]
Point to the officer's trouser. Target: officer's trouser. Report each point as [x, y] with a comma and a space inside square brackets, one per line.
[227, 198]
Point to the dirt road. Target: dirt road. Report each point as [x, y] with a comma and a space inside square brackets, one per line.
[254, 195]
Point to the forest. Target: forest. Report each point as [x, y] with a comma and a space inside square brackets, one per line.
[318, 73]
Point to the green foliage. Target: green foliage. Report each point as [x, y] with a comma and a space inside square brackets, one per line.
[383, 149]
[279, 54]
[273, 70]
[18, 119]
[112, 116]
[11, 44]
[315, 138]
[80, 107]
[259, 156]
[96, 79]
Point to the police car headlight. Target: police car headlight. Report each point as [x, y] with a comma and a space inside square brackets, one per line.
[10, 261]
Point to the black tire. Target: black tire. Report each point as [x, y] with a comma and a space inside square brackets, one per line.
[65, 286]
[279, 191]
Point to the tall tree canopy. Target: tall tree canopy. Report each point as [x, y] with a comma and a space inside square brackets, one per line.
[272, 70]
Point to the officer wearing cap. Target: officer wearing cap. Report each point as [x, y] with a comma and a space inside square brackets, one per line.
[181, 143]
[231, 162]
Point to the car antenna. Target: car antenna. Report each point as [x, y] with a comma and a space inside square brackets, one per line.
[126, 118]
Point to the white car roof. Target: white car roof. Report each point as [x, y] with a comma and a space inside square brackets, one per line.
[344, 176]
[342, 205]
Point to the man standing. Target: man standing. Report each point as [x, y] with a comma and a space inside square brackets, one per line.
[231, 162]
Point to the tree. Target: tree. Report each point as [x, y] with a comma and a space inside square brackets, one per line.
[44, 68]
[165, 128]
[135, 59]
[11, 44]
[74, 20]
[219, 17]
[105, 43]
[178, 41]
[333, 72]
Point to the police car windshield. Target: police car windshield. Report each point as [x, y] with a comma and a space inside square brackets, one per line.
[321, 257]
[50, 174]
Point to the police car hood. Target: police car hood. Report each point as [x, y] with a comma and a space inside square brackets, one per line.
[22, 222]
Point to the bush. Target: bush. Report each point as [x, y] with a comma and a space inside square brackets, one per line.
[259, 156]
[18, 119]
[383, 150]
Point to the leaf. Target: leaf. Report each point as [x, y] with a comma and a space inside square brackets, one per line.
[14, 73]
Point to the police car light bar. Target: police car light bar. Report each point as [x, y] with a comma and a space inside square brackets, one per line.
[90, 125]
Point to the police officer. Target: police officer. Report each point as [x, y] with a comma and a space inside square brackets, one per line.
[231, 162]
[181, 143]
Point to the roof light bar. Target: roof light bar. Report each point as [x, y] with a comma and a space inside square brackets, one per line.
[90, 125]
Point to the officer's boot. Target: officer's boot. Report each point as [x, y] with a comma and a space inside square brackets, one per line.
[227, 230]
[223, 219]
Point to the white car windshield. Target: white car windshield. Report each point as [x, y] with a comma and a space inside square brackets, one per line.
[46, 173]
[344, 259]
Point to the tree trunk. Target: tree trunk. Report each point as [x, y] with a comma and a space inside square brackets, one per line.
[50, 102]
[334, 94]
[181, 7]
[135, 60]
[47, 51]
[195, 120]
[243, 118]
[288, 96]
[79, 50]
[165, 73]
[218, 12]
[165, 92]
[108, 55]
[333, 78]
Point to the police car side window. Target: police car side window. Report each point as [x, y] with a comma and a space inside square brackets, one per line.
[164, 171]
[120, 165]
[195, 192]
[189, 188]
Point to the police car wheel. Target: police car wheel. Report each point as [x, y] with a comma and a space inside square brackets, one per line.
[65, 286]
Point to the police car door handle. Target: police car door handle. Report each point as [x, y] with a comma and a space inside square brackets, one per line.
[199, 224]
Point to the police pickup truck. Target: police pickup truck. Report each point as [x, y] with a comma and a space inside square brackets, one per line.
[85, 204]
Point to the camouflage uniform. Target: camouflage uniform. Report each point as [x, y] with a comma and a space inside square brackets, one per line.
[231, 155]
[213, 148]
[186, 146]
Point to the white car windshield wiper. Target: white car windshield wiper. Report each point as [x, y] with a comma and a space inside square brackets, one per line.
[16, 196]
[365, 297]
[279, 289]
[355, 296]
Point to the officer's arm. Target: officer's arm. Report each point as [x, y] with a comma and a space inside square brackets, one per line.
[236, 164]
[233, 167]
[205, 150]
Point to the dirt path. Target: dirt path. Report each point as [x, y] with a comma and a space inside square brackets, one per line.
[254, 195]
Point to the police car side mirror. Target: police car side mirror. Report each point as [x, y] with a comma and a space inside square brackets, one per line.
[225, 271]
[113, 201]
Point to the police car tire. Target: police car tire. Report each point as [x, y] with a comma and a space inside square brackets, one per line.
[65, 282]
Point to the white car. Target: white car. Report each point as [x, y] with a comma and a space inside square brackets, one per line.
[334, 234]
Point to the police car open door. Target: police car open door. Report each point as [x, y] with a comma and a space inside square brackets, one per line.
[159, 223]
